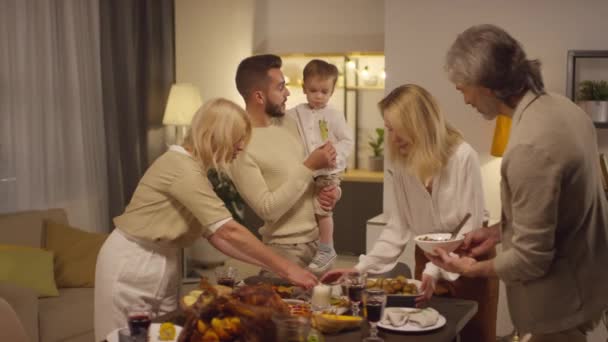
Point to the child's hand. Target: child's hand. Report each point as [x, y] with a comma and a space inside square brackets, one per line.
[323, 157]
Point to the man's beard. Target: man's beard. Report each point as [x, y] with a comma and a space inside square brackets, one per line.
[274, 110]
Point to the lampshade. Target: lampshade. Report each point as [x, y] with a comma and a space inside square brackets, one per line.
[501, 135]
[184, 101]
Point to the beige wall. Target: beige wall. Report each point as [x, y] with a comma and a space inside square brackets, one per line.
[319, 26]
[211, 38]
[417, 37]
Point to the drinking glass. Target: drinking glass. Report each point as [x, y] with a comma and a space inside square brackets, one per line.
[291, 328]
[374, 301]
[226, 276]
[140, 317]
[356, 284]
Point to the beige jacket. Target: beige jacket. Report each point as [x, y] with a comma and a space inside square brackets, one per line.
[555, 217]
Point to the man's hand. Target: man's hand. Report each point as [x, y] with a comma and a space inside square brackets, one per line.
[426, 289]
[323, 157]
[328, 196]
[301, 277]
[461, 265]
[480, 241]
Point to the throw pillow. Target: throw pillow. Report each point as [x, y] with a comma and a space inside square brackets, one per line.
[75, 254]
[28, 267]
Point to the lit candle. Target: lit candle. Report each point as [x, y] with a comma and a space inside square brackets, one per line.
[321, 296]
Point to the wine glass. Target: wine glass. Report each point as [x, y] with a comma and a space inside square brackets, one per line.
[375, 301]
[140, 317]
[226, 276]
[356, 284]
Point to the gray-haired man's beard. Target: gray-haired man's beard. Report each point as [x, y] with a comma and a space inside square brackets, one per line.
[275, 110]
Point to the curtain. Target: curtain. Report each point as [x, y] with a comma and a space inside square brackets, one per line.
[137, 49]
[52, 151]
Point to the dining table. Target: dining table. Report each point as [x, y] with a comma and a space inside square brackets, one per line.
[457, 313]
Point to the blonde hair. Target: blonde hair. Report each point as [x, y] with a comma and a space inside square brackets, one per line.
[414, 113]
[215, 128]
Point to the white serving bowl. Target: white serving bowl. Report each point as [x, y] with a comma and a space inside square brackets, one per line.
[441, 242]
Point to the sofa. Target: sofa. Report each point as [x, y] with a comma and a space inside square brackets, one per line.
[66, 313]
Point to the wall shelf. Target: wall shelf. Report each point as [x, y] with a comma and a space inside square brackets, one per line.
[571, 85]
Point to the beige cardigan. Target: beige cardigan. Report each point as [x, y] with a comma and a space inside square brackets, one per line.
[555, 218]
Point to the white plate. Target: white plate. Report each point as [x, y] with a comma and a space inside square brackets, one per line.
[412, 327]
[416, 282]
[152, 334]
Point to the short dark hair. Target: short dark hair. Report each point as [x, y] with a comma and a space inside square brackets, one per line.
[488, 56]
[253, 72]
[320, 68]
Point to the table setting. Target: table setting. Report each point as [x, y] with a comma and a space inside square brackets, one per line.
[355, 307]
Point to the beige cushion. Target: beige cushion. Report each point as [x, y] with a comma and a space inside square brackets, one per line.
[75, 254]
[68, 316]
[23, 229]
[26, 228]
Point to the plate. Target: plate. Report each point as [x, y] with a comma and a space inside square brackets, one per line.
[418, 284]
[152, 334]
[412, 327]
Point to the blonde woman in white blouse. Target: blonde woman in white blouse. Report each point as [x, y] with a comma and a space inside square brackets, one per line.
[436, 181]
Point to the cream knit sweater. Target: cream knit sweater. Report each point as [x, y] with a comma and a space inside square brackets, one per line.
[272, 179]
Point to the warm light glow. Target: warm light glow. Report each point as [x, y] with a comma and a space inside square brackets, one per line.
[365, 72]
[383, 75]
[351, 64]
[286, 79]
[184, 101]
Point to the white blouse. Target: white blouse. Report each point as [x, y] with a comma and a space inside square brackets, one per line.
[412, 210]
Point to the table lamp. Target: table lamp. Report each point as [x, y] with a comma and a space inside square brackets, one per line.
[184, 100]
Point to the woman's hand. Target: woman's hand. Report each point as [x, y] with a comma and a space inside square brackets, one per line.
[426, 289]
[335, 275]
[301, 277]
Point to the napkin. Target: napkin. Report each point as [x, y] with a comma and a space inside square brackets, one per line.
[398, 317]
[424, 318]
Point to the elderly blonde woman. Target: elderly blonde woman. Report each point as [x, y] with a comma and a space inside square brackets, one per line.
[172, 205]
[436, 181]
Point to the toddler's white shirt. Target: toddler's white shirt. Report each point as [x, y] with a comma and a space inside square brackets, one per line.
[339, 133]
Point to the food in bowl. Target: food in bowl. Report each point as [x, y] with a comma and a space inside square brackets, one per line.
[399, 285]
[331, 324]
[428, 242]
[298, 307]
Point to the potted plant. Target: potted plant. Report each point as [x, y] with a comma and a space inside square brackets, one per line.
[376, 160]
[593, 98]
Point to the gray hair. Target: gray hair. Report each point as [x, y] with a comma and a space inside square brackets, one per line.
[487, 56]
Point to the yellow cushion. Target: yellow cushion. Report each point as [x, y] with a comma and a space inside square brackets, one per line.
[28, 267]
[75, 254]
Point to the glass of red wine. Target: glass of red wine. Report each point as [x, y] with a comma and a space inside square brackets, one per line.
[355, 283]
[139, 317]
[226, 276]
[374, 301]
